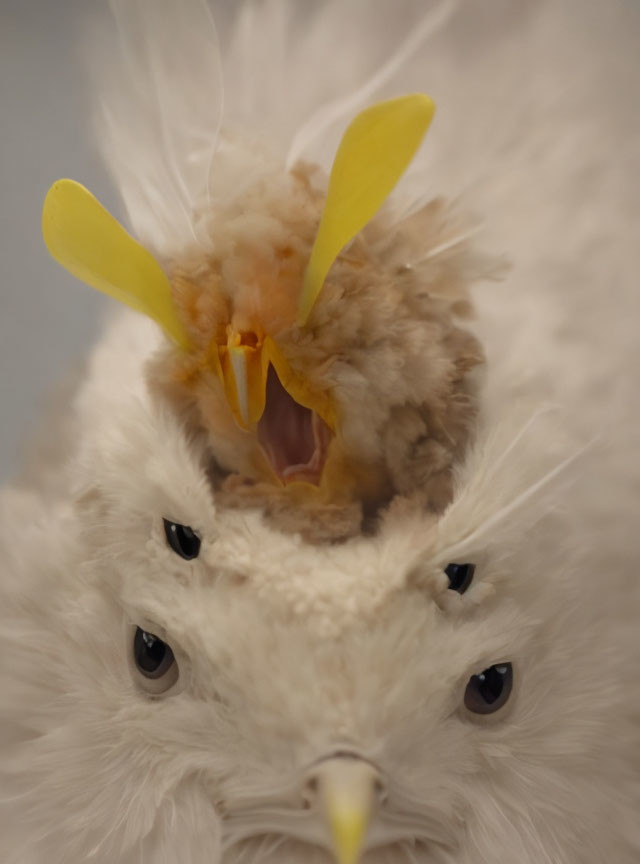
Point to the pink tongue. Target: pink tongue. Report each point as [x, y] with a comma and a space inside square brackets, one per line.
[286, 432]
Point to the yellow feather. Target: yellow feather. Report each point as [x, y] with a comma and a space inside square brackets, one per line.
[373, 154]
[85, 239]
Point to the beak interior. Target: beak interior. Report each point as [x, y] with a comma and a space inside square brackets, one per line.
[294, 438]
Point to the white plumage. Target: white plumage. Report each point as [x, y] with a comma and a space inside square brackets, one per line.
[289, 653]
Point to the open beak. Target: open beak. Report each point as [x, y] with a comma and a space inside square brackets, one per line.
[347, 792]
[293, 423]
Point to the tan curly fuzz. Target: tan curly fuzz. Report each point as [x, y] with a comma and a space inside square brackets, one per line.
[384, 343]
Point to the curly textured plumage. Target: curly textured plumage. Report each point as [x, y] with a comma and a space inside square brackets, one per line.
[383, 341]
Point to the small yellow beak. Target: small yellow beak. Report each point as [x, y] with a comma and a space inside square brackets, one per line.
[347, 790]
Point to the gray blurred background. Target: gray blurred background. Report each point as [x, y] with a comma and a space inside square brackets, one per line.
[47, 319]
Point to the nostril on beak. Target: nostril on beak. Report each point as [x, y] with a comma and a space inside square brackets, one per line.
[380, 790]
[331, 765]
[309, 791]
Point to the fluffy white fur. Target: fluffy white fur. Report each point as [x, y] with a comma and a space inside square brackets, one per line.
[288, 651]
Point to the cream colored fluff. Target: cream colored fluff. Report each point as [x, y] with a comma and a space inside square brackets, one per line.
[288, 650]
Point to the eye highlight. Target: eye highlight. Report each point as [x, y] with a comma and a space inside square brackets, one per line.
[487, 692]
[155, 661]
[182, 539]
[460, 576]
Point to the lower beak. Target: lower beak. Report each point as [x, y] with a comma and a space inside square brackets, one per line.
[347, 791]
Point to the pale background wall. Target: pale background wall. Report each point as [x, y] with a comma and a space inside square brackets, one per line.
[47, 319]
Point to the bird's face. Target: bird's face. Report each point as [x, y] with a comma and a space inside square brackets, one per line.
[320, 403]
[296, 382]
[221, 689]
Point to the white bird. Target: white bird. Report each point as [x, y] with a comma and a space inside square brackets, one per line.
[182, 682]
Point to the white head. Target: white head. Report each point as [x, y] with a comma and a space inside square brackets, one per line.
[301, 674]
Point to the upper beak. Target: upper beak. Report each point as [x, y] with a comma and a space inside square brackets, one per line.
[347, 790]
[244, 364]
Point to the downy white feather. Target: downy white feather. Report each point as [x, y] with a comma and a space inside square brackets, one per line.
[159, 127]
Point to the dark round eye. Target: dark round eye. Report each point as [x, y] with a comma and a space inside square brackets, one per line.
[153, 656]
[490, 690]
[154, 660]
[182, 540]
[460, 576]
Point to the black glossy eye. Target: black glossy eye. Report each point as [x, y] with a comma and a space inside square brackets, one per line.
[490, 690]
[155, 661]
[153, 656]
[182, 540]
[460, 576]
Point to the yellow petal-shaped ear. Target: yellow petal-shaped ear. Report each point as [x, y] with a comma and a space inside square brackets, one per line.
[373, 154]
[82, 236]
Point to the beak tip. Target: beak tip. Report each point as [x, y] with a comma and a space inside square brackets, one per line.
[348, 837]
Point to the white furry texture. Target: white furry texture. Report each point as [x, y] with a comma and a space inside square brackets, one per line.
[288, 651]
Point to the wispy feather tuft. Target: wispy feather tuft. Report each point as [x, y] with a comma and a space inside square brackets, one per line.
[161, 115]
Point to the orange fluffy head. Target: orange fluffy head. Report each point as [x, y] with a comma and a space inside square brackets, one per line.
[371, 396]
[314, 338]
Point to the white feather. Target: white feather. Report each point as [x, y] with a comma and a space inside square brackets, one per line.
[161, 116]
[351, 102]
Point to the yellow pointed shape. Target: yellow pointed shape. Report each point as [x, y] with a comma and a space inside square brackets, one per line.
[244, 376]
[348, 828]
[347, 790]
[86, 240]
[373, 154]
